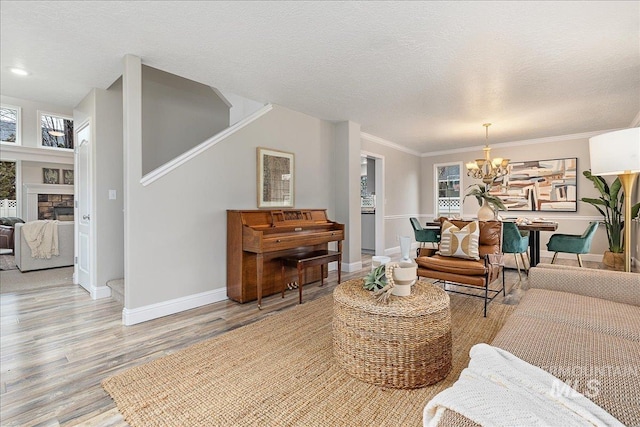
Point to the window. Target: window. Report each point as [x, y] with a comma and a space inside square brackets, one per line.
[8, 199]
[447, 189]
[56, 131]
[10, 124]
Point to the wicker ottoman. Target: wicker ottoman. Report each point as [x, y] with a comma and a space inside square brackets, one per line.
[405, 343]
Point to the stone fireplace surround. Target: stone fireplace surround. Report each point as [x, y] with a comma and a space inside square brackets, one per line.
[54, 194]
[55, 206]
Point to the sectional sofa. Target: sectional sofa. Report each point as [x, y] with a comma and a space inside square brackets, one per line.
[25, 262]
[582, 326]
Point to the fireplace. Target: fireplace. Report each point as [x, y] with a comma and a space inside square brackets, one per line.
[55, 206]
[33, 193]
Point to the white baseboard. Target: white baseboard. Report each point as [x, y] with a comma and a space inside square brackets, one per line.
[396, 250]
[165, 308]
[98, 292]
[353, 266]
[585, 257]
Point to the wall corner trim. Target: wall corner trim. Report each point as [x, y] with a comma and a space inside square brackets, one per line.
[203, 146]
[382, 141]
[165, 308]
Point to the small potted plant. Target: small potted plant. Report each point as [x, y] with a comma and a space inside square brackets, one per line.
[377, 279]
[489, 204]
[610, 205]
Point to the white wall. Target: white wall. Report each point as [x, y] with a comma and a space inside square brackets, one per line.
[346, 157]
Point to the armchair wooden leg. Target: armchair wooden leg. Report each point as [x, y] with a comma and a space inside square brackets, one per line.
[579, 260]
[524, 265]
[515, 257]
[555, 255]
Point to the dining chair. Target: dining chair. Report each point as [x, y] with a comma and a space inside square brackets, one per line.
[425, 235]
[514, 242]
[571, 243]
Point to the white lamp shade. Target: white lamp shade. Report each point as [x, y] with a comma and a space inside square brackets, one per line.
[615, 153]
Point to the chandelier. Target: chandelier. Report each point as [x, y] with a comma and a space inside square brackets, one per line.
[486, 169]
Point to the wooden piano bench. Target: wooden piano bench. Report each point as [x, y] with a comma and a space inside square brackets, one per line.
[309, 259]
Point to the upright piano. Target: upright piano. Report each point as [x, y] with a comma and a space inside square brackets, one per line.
[256, 239]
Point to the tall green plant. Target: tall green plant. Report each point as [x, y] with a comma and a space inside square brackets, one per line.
[610, 205]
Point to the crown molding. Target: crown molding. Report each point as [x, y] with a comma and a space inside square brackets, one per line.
[383, 141]
[550, 139]
[584, 135]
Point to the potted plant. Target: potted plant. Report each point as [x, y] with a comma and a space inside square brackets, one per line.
[376, 279]
[610, 205]
[489, 204]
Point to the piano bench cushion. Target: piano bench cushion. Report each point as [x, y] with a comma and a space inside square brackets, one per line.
[310, 259]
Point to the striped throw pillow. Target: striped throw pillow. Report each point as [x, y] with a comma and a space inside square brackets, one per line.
[460, 243]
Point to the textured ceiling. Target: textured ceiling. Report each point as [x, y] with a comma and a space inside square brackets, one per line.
[424, 75]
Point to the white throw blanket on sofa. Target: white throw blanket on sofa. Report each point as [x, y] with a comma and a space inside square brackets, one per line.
[499, 389]
[42, 238]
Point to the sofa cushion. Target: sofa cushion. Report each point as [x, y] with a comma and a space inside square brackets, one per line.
[460, 242]
[10, 220]
[588, 343]
[594, 314]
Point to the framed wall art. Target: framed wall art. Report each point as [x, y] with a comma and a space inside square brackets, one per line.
[50, 176]
[539, 185]
[275, 178]
[67, 176]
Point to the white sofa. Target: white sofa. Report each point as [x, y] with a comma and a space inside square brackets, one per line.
[25, 262]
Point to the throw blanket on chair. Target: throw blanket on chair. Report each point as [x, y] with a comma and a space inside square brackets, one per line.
[42, 238]
[498, 389]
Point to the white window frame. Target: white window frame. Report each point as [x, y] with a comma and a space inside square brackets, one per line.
[18, 110]
[39, 132]
[436, 211]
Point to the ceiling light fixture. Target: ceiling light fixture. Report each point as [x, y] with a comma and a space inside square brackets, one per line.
[56, 133]
[19, 71]
[486, 169]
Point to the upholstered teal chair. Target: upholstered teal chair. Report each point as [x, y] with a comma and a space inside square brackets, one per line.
[572, 244]
[425, 235]
[514, 242]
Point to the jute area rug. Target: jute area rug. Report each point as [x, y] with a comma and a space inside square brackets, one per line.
[280, 371]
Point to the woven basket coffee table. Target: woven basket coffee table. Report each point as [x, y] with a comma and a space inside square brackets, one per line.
[405, 343]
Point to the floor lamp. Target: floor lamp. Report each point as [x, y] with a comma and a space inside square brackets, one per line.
[618, 153]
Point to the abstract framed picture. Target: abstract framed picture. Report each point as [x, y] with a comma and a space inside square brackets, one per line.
[50, 176]
[275, 178]
[67, 176]
[539, 185]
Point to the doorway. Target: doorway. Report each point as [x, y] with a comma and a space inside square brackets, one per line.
[372, 203]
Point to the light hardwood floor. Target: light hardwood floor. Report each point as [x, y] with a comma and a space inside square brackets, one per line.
[57, 344]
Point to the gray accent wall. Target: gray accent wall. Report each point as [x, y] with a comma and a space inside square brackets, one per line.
[178, 114]
[177, 225]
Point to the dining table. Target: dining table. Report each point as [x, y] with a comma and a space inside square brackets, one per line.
[534, 228]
